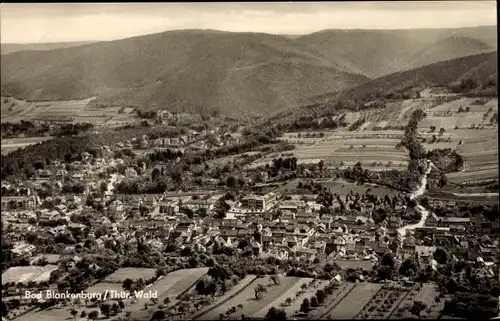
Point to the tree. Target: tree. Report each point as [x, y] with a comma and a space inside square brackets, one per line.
[105, 309]
[258, 290]
[417, 308]
[441, 256]
[158, 315]
[432, 128]
[275, 279]
[288, 301]
[441, 131]
[384, 273]
[127, 284]
[166, 301]
[115, 308]
[83, 314]
[93, 315]
[314, 302]
[231, 181]
[387, 260]
[320, 295]
[275, 314]
[305, 306]
[408, 268]
[321, 164]
[74, 313]
[155, 174]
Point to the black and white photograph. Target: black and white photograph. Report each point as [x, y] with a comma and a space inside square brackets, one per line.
[249, 161]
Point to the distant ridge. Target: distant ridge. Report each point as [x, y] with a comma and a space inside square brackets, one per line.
[239, 73]
[7, 48]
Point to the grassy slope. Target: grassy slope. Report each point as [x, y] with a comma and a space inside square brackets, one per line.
[187, 70]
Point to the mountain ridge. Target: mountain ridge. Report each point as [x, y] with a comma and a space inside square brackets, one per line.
[211, 71]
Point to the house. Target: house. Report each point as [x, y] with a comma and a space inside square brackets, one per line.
[449, 221]
[294, 206]
[258, 202]
[305, 217]
[17, 202]
[424, 252]
[71, 263]
[304, 253]
[432, 220]
[277, 253]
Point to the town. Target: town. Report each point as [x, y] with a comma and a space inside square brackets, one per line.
[199, 174]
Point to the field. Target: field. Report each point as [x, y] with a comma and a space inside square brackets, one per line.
[342, 188]
[219, 301]
[400, 111]
[102, 287]
[252, 306]
[454, 105]
[130, 273]
[383, 303]
[446, 115]
[339, 293]
[296, 295]
[171, 286]
[27, 274]
[308, 293]
[374, 149]
[480, 157]
[9, 145]
[427, 295]
[354, 302]
[14, 110]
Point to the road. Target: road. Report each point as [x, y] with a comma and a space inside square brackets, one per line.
[418, 192]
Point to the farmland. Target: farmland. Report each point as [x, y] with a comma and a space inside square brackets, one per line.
[341, 188]
[349, 307]
[246, 282]
[304, 288]
[297, 300]
[447, 115]
[427, 294]
[374, 149]
[339, 293]
[383, 303]
[250, 304]
[14, 110]
[169, 286]
[27, 274]
[480, 155]
[130, 273]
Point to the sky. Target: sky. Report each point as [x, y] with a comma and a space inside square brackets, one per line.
[59, 22]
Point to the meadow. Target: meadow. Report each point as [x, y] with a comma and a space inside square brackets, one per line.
[15, 110]
[26, 274]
